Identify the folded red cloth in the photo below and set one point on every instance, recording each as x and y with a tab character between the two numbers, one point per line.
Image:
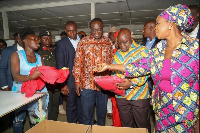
109	83
48	74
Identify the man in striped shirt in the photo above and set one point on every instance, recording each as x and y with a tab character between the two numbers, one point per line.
134	107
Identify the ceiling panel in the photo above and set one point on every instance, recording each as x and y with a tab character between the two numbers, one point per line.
78	18
10	3
72	10
35	14
111	7
13	16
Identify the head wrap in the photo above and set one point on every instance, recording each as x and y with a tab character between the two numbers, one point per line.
116	34
180	15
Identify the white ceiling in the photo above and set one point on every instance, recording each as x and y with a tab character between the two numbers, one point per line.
53	14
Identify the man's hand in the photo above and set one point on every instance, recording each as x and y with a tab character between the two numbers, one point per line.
102	67
65	90
78	87
124	85
6	89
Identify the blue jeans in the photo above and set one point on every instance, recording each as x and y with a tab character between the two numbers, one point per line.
90	99
20	114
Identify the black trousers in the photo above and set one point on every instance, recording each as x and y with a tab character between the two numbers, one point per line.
53	106
134	113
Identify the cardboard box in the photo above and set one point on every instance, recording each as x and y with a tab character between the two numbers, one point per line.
110	129
48	126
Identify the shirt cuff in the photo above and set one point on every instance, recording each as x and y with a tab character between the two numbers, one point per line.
4	87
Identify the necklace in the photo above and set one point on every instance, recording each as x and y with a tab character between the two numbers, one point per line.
174	44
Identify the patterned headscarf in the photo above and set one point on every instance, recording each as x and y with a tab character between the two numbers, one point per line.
180	15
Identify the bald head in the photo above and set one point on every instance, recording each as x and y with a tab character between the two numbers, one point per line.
124	32
124	39
149	29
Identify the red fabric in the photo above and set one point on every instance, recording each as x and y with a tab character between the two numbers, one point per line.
109	83
115	113
116	34
115	50
48	74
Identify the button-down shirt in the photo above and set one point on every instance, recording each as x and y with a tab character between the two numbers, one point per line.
75	42
150	43
91	52
140	90
19	47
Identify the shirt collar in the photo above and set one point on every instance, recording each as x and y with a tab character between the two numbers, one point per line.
92	38
77	38
148	39
19	47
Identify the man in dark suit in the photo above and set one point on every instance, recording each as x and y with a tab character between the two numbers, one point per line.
150	35
6	79
65	54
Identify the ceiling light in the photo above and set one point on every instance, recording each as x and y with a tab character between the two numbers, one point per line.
146	10
81	15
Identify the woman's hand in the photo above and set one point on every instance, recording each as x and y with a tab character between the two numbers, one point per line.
102	67
35	74
124	85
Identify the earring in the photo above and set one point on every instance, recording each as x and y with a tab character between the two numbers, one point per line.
169	27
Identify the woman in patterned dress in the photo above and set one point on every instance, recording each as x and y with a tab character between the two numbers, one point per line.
174	68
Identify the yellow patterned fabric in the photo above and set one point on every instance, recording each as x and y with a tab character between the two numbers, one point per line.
135	53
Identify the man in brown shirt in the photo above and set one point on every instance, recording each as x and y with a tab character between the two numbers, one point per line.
92	50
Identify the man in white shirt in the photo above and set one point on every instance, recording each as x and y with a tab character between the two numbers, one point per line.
6	79
194	32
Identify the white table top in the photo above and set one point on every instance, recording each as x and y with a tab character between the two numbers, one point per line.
10	101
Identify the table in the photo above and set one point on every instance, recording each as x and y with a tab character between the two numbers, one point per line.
10	101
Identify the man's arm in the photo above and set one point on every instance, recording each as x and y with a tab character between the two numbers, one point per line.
59	56
77	64
77	69
4	68
60	63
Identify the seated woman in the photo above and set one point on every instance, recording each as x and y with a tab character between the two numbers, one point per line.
21	64
174	68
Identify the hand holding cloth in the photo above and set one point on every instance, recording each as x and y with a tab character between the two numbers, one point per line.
48	74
